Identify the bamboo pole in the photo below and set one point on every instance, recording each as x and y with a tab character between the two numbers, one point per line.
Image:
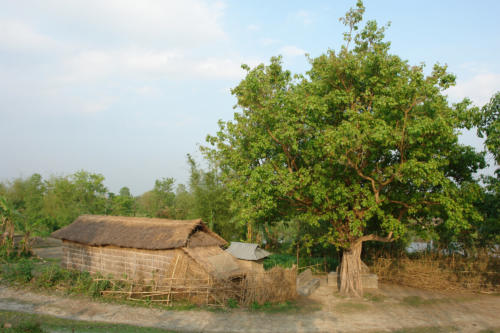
173	273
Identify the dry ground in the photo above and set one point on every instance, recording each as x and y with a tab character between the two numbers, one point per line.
390	308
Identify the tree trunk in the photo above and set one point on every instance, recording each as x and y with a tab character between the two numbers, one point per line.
350	271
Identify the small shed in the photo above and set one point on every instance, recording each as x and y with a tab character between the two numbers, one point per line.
145	248
249	255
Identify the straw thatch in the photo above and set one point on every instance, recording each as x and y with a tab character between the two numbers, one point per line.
138	232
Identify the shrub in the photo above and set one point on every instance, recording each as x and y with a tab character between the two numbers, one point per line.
51	275
288	260
232	303
21	271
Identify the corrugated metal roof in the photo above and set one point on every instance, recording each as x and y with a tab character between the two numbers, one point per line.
247	251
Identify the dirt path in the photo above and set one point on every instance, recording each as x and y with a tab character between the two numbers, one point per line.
385	311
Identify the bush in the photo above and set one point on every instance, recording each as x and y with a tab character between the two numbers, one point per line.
22	271
52	275
29	327
288	260
232	303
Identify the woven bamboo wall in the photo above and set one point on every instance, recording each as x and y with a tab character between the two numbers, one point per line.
134	263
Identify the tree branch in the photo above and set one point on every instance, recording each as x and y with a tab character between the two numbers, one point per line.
373	237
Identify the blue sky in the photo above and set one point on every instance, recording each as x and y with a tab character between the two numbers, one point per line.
128	88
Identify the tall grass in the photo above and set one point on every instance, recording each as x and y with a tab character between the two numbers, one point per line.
440	272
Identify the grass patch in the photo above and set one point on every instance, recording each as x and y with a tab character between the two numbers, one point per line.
427	329
351	307
32	323
374	298
491	330
418	301
287	306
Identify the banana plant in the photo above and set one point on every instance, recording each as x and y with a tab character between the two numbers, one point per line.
7	213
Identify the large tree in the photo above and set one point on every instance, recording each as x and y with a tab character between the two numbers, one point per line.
363	147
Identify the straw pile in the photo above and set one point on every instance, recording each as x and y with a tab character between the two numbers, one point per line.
275	285
441	273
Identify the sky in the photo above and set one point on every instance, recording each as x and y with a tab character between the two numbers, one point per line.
128	88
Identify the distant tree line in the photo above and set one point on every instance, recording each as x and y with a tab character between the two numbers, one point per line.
44	205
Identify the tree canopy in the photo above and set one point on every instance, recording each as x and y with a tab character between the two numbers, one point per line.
362	147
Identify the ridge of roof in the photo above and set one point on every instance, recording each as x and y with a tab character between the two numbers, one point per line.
137	232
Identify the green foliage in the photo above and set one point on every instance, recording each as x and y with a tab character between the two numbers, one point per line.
123	204
159	201
46	205
232	303
52	276
21	271
29	327
212	200
288	260
26	322
364	145
273	307
488	124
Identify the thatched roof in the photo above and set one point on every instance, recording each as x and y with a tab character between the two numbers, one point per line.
138	232
247	251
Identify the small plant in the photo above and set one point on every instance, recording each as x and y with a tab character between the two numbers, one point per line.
28	327
374	298
51	275
232	303
21	271
255	306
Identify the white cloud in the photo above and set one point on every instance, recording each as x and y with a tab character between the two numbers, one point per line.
147	90
253	27
268	41
221	68
479	88
303	16
19	36
97	106
95	65
143	22
292	51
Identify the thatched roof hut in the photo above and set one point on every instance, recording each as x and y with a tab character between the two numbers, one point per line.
145	248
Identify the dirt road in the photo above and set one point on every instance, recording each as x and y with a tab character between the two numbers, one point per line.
390	308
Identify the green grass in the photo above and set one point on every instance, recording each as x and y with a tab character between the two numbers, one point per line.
287	260
374	298
32	323
427	329
418	301
351	307
491	330
288	306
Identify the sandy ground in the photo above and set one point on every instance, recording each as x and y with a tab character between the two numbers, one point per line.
322	312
